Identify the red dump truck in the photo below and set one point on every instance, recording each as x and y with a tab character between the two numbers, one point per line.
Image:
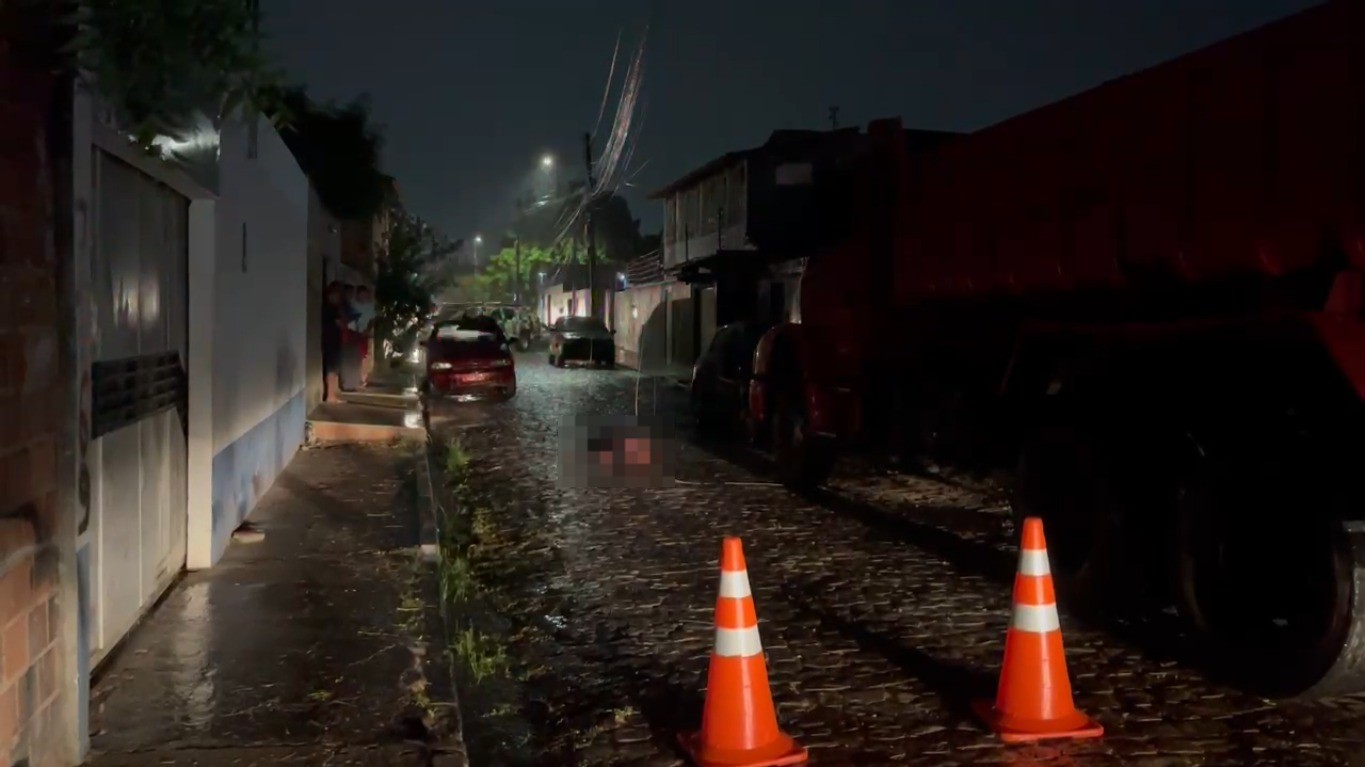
1147	302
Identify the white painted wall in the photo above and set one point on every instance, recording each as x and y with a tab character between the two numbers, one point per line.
261	282
643	326
200	447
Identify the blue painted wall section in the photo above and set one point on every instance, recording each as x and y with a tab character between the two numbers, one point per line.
244	470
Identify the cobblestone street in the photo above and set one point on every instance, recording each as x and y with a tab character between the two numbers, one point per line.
882	605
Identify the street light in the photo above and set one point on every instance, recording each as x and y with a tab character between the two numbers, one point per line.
547	161
478	240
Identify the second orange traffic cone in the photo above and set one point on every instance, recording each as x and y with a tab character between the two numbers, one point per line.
1034	700
739	723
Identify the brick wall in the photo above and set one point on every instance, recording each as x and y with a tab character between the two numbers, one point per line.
31	398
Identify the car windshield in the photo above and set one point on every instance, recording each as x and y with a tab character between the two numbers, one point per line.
584	325
459	343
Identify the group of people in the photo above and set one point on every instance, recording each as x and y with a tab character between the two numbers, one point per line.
347	326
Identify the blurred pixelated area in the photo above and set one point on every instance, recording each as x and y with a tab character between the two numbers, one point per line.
618	451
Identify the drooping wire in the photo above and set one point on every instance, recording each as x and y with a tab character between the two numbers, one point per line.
609	165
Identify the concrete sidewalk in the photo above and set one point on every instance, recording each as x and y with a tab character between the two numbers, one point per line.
319	645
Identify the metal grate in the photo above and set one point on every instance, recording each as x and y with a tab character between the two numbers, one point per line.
126	391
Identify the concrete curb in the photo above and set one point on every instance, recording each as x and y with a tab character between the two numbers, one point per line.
337	433
429	509
381	399
449	751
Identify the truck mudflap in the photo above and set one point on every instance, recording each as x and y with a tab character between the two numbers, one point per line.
834	411
1347	674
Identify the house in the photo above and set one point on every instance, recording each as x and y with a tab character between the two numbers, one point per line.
361	248
155	376
565	292
736	228
651	314
346	251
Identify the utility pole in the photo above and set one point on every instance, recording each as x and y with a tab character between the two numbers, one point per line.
591	232
834	117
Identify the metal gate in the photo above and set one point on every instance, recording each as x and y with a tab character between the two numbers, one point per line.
137	456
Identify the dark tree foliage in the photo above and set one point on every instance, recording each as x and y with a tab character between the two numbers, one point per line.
159	62
413	270
618	231
339	150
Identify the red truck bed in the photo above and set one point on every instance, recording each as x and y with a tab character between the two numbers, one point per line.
1244	158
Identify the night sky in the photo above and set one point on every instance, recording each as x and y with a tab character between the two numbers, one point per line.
473	93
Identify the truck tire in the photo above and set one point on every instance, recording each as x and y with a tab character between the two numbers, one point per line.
1064	478
1271	579
749	430
804	460
703	414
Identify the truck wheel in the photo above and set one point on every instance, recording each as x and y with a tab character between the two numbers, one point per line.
748	428
1270	579
1062	478
709	427
804	460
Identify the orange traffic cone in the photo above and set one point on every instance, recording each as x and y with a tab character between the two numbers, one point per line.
739	723
1034	701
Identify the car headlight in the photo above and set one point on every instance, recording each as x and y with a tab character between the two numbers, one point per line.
440	366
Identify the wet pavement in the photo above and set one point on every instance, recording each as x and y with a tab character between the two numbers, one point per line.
314	646
883	606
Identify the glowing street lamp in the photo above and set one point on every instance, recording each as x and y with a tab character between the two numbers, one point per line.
547	161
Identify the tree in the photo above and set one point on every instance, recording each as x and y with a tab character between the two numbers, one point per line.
160	62
618	232
543	224
338	148
497	280
411	272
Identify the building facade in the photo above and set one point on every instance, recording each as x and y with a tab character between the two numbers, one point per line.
736	228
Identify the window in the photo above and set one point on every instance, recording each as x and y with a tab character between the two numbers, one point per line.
457	344
794	174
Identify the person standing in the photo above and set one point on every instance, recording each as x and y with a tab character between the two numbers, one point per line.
364	326
350	349
333	332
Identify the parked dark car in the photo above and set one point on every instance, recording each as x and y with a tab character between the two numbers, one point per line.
469	359
583	339
720	381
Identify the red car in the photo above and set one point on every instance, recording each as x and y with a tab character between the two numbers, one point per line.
468	360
